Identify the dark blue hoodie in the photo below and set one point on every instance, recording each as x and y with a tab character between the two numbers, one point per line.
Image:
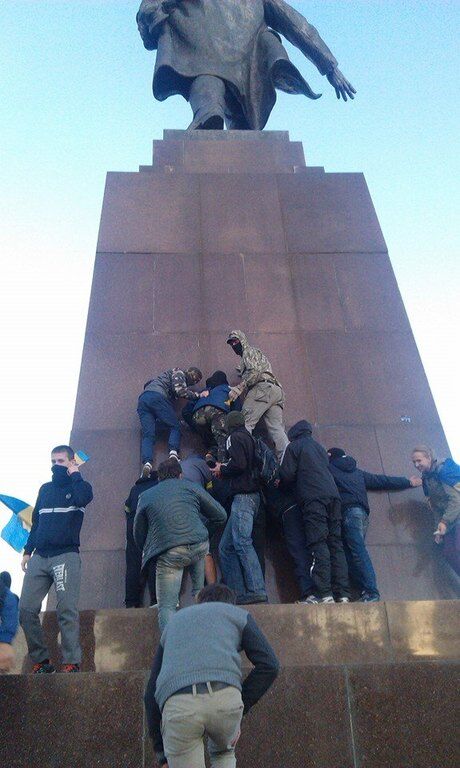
305	466
353	483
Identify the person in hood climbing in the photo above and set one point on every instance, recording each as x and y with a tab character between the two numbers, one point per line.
353	484
135	578
264	397
305	466
51	557
209	412
441	484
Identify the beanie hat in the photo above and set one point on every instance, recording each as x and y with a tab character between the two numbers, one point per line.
336	453
216	379
233	420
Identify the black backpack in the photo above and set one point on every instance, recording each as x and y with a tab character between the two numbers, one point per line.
266	465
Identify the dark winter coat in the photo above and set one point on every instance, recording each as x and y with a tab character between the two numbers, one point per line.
306	466
230	39
239	468
353	483
141	485
170	515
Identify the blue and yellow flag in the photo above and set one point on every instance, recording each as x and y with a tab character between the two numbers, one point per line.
20	508
15	534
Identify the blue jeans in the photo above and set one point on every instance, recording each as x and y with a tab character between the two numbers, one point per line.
153	407
355	521
170	568
240	565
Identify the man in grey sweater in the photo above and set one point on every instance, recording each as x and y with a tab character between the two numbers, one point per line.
195	687
172	535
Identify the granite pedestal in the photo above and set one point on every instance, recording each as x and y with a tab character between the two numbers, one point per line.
232	230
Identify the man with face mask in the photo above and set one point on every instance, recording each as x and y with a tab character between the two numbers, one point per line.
155	404
51	556
264	395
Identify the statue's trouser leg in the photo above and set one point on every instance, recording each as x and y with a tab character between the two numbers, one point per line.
207	100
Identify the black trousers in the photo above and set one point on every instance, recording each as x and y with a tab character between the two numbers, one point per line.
135	580
322	521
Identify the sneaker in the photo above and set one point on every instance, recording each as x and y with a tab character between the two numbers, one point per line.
146	470
174	455
43	668
367	598
70	668
343	600
309	600
327	600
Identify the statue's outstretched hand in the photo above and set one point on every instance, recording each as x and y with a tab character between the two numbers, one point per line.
342	87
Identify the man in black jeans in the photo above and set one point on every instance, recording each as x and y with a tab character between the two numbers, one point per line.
306	464
135	579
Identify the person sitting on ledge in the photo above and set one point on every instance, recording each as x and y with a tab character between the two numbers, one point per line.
353	484
195	687
441	484
155	404
305	467
264	395
169	530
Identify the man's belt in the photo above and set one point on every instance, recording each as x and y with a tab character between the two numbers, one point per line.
215	685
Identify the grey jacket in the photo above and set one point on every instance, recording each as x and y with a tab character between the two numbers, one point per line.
171	384
168	516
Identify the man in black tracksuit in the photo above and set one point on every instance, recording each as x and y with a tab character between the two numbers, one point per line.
134	578
305	464
353	484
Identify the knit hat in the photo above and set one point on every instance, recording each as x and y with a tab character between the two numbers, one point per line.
336	453
216	379
233	420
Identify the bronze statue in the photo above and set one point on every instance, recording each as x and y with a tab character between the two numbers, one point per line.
226	57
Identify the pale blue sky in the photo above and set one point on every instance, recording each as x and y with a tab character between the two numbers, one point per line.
76	103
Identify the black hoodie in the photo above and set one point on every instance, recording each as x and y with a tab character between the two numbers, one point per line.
141	485
353	482
306	464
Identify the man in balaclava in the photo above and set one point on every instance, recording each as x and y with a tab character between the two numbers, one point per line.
264	394
51	556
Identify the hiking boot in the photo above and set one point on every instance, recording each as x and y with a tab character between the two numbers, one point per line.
367	598
70	668
146	470
343	600
43	668
327	600
174	455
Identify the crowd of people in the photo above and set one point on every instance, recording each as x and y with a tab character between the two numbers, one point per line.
205	514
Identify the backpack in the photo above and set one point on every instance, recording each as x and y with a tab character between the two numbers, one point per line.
266	465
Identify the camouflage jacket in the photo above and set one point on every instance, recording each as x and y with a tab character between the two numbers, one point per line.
255	366
171	384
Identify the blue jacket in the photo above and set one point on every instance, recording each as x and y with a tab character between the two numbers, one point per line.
58	515
9	617
353	483
217	397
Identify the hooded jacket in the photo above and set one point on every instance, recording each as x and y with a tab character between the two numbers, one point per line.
58	514
353	483
140	486
239	469
255	366
306	466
